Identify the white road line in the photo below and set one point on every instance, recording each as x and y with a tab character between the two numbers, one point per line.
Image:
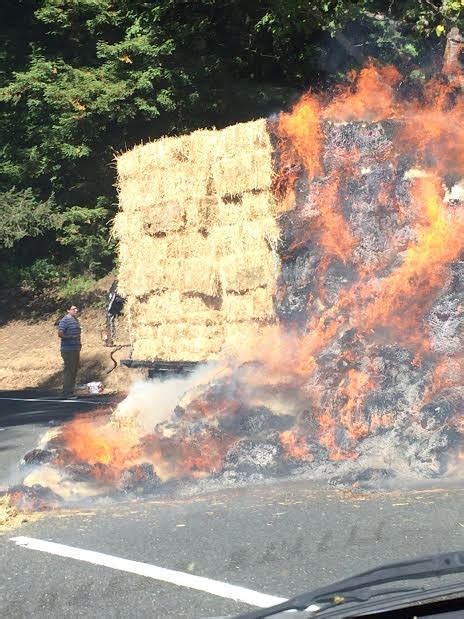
45	400
215	587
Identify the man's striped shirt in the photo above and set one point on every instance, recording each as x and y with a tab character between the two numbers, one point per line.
70	327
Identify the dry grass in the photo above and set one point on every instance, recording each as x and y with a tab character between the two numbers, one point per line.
30	355
197	237
11	518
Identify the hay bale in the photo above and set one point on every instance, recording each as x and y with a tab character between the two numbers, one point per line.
127	227
159	171
128	166
177	182
145	159
234	175
239	208
191	243
197	237
199	342
235	333
202	212
186	275
248	236
174	307
137	275
246	271
198	275
243	137
167	216
243	159
253	305
175	149
151	265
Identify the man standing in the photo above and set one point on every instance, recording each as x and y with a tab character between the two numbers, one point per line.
69	330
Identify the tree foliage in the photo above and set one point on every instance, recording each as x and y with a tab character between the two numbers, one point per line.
83	79
23	216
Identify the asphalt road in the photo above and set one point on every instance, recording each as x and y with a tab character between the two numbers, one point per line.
279	539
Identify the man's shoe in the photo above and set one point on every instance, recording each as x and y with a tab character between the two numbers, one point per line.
70	397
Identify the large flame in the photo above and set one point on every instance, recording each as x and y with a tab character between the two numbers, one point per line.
372	96
361	354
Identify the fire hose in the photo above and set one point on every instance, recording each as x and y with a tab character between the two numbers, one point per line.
115	350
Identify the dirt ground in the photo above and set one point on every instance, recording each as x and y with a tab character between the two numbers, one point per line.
30	354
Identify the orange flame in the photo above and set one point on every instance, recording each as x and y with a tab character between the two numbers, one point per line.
372	99
295	446
302	128
326	223
387	298
402	298
97	442
300	133
356	386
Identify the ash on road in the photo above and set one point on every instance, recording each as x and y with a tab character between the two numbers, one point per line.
277	539
280	539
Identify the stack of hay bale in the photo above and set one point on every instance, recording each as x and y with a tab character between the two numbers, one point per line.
197	241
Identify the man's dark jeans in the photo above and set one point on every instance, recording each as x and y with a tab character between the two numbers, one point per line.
71	363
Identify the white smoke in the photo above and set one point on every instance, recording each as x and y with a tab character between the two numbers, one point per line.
150	402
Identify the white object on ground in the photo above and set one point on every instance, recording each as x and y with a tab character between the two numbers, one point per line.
95	387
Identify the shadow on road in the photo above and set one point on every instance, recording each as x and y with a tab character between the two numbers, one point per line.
19	408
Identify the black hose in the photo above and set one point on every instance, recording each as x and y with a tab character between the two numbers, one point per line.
113	359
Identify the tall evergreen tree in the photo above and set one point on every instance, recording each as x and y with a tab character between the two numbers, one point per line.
83	79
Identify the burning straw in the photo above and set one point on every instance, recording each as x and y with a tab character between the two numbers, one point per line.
356	373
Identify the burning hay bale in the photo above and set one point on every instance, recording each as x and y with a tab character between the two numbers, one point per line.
140	479
251	458
34	498
37	456
355	374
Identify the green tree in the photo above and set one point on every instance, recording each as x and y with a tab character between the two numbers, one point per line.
83	79
23	216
